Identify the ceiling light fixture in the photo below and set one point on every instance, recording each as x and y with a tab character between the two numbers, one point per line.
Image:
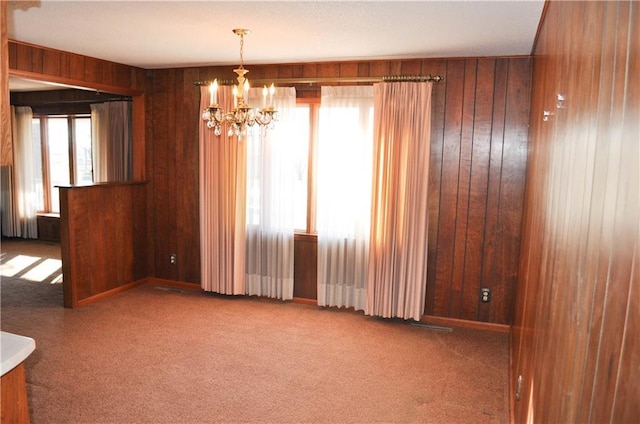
242	115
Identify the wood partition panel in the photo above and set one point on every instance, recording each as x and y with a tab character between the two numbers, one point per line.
478	152
103	239
576	336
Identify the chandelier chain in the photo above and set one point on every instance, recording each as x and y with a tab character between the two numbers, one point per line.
241	51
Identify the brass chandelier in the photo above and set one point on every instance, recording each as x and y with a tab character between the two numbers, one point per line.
242	115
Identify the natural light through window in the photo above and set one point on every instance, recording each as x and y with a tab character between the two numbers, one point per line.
15	265
62	156
58	137
32	268
83	164
43	270
301	158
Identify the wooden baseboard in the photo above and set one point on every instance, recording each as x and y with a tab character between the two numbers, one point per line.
305	301
108	293
427	319
463	323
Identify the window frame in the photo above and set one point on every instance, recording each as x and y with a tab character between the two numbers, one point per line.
314	112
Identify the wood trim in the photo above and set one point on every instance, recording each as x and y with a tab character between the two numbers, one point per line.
464	323
427	319
302	300
44	155
86	301
305	237
314	112
540	23
75	83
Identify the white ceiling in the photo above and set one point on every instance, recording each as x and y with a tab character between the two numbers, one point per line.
164	34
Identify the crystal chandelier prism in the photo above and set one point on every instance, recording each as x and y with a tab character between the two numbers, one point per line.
242	115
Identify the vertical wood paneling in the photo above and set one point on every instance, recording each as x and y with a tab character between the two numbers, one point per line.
462	189
477	189
72	68
492	206
449	188
6	148
576	328
305	267
189	193
51	63
163	188
512	179
438	96
36	61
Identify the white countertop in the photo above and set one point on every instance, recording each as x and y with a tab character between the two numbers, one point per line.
13	350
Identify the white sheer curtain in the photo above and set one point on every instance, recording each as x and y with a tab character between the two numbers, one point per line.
24	189
222	205
112	141
270	200
397	274
344	194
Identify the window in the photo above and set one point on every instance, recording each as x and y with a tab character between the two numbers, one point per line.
64	156
306	120
309	111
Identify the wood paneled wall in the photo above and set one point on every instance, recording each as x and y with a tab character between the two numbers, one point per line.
6	148
576	336
478	152
103	239
47	64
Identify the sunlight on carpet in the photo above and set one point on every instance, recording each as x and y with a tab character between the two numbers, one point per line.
32	268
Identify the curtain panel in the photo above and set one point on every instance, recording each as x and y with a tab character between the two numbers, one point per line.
270	200
222	204
397	271
8	210
23	209
344	194
112	141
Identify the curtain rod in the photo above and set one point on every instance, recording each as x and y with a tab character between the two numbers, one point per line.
392	78
80	101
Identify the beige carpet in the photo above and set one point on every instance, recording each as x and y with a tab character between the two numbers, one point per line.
150	355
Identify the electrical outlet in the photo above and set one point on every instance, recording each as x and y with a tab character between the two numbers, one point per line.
485	295
173	258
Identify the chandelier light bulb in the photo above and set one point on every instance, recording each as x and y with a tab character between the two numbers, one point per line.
272	91
213	92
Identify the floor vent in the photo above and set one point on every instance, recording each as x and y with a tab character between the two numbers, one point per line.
433	327
169	289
